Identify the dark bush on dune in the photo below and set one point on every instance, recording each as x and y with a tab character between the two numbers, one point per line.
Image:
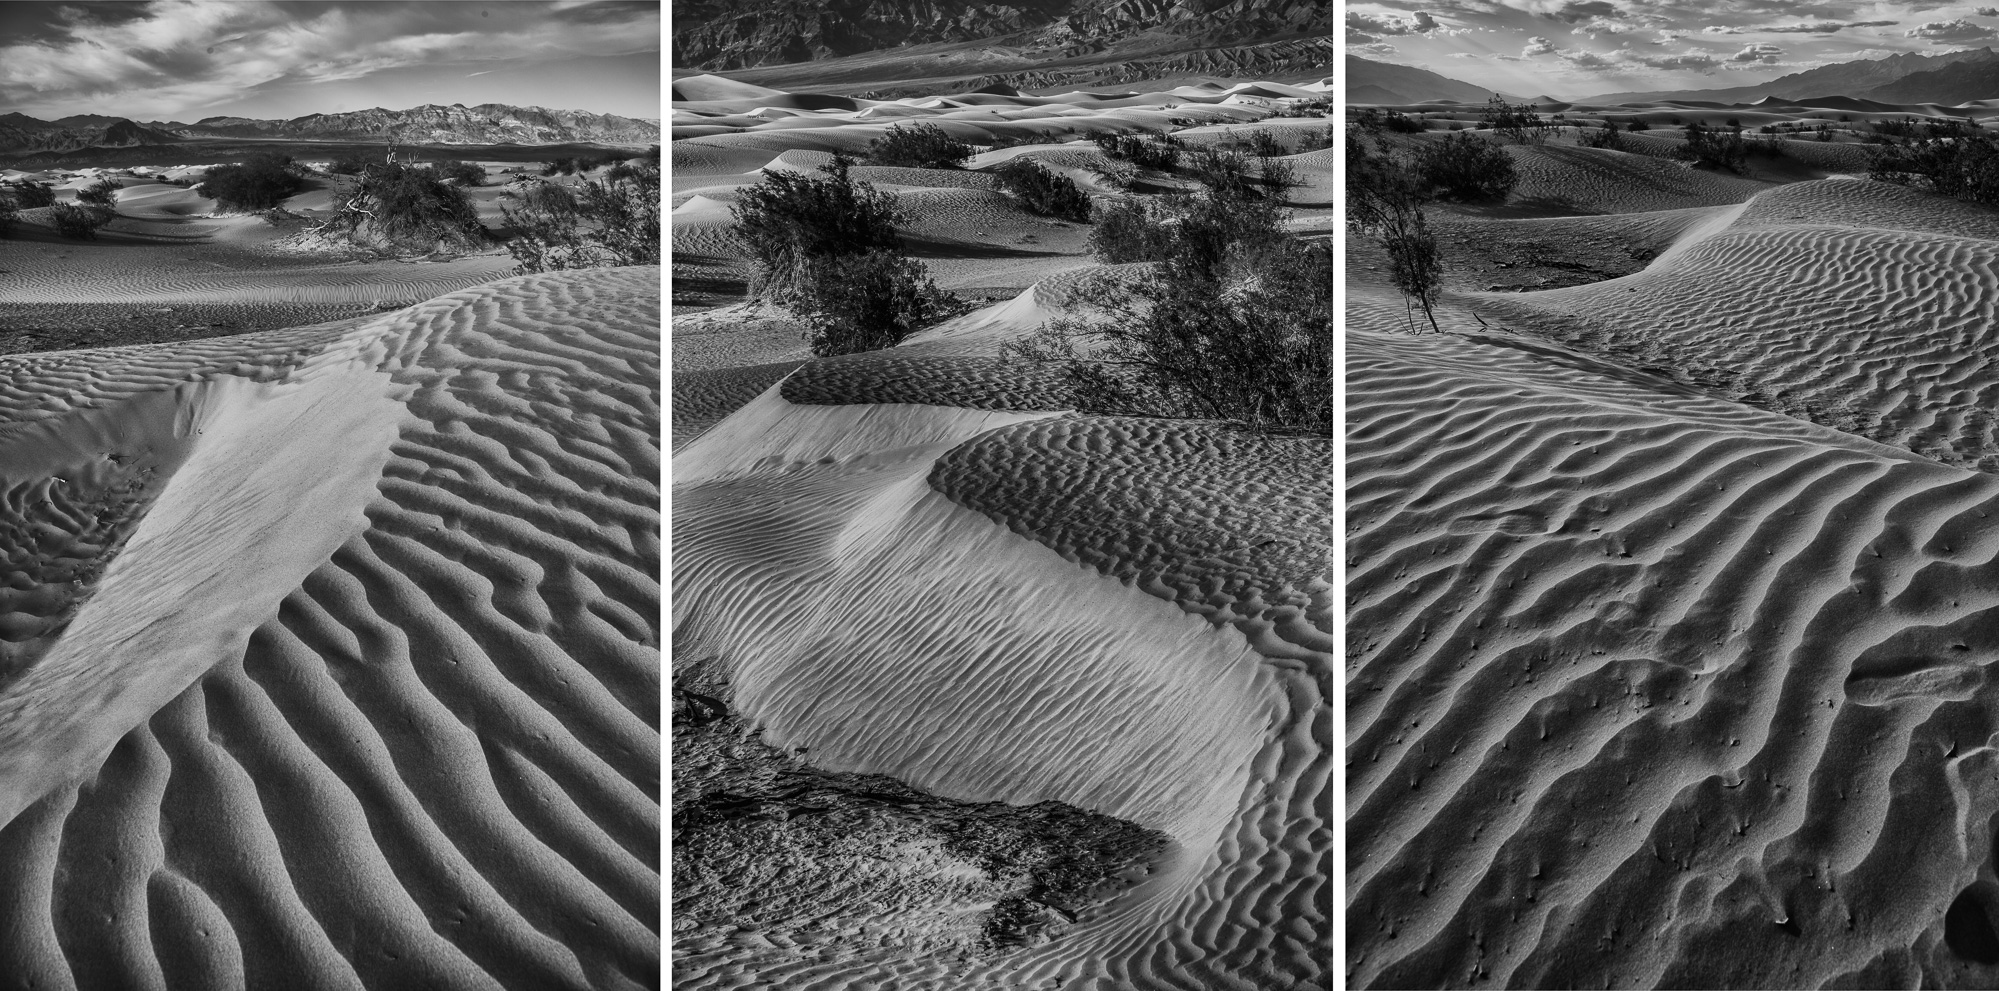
1514	122
79	222
103	192
1146	152
1964	167
30	195
561	166
1130	229
826	248
1638	124
404	208
1236	322
9	216
610	221
347	165
466	173
1374	120
920	145
1605	137
1043	191
1466	168
1711	149
262	182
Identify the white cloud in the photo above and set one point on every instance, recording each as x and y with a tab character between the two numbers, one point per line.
1538	46
1949	32
1764	54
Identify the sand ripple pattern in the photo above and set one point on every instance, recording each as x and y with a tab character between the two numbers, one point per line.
437	765
1881	331
1641	698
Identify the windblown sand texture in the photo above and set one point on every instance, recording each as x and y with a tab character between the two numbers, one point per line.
1669	602
919	563
330	655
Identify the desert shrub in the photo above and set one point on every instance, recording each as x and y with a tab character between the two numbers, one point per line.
1374	120
561	166
614	220
1236	321
347	165
1513	122
1316	140
405	208
1638	124
30	195
1129	229
1263	144
1464	167
826	248
263	181
1605	137
1043	191
1710	149
9	216
865	302
1115	174
1146	152
79	222
1966	168
1012	141
465	172
103	192
1385	201
921	145
1308	108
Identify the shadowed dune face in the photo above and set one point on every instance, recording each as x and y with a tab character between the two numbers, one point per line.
1670	594
360	685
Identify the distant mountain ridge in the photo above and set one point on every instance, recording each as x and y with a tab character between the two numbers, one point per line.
1369	81
1949	78
486	124
722	35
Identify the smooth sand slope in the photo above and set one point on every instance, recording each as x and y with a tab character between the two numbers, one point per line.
913	563
329	656
1670	611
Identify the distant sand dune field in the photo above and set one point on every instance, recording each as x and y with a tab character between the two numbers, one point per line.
334	662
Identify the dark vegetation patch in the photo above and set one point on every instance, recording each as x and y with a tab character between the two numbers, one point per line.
258	184
766	846
920	145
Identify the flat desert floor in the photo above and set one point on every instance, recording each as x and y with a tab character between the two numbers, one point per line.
329	654
1671	577
1014	697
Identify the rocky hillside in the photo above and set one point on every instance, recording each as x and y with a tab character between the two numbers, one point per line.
714	35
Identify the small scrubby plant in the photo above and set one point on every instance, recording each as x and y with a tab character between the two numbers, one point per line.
79	222
920	145
1044	191
466	173
1465	167
1146	152
260	183
103	192
826	248
31	195
404	208
614	220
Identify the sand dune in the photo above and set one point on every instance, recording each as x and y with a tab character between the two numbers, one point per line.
339	665
930	514
1668	603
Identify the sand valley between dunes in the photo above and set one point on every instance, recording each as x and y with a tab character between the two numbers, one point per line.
1672	565
328	654
1018	697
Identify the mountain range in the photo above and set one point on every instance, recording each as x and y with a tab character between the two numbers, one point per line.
913	44
486	124
1947	79
1389	84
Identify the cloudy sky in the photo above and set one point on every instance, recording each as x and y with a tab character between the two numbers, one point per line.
188	59
1574	48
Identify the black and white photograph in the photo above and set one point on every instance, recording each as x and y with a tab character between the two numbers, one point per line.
1672	531
1004	495
330	527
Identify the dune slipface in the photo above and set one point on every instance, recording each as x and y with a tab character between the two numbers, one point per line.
1669	610
329	656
